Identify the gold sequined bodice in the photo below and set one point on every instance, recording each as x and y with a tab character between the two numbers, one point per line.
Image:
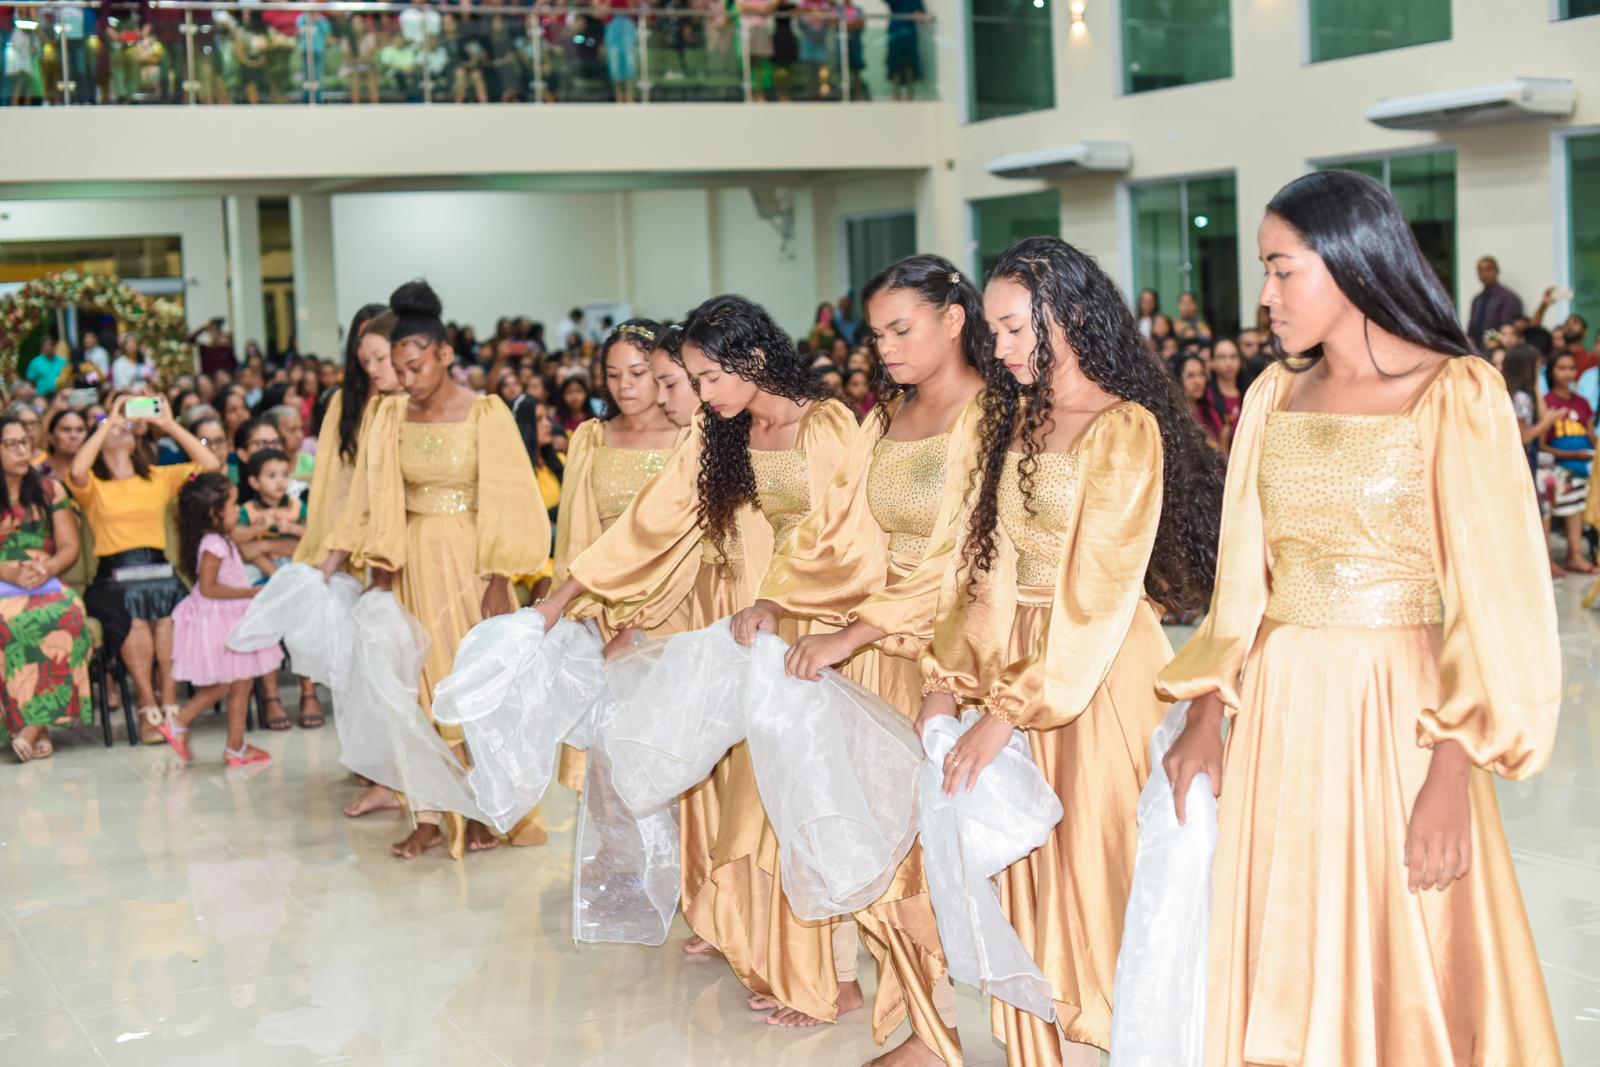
1344	504
617	476
783	488
1040	538
905	488
439	462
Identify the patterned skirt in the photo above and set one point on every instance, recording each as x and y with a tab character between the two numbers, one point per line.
46	647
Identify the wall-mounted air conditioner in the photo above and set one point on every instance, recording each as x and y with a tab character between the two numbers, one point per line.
1082	157
1512	101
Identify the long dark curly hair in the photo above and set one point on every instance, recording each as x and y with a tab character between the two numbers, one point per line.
937	283
741	338
201	505
1070	291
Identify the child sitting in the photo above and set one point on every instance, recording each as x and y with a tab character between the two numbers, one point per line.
207	511
269	529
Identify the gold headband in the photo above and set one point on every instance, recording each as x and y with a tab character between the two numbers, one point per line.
637	331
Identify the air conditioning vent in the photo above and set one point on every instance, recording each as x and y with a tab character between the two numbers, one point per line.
1082	157
1513	101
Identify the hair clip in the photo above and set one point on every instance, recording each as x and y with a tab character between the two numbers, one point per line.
953	278
637	331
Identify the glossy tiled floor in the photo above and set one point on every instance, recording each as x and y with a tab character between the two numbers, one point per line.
159	915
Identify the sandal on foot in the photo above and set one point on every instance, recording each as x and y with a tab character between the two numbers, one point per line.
278	722
245	756
176	736
150	720
310	720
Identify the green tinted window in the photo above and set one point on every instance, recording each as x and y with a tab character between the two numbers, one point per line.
1186	237
1577	9
1001	221
1174	42
1010	62
875	241
1341	28
1583	224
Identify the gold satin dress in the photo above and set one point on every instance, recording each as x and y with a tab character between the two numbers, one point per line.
414	509
1062	641
643	560
599	483
868	552
1373	606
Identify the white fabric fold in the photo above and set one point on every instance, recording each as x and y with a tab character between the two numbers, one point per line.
517	693
310	616
626	871
967	839
1160	993
836	767
388	738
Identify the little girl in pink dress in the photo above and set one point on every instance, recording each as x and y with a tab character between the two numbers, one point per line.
207	511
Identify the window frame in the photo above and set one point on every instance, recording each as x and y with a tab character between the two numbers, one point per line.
1119	78
1126	218
842	245
1561	190
1307	36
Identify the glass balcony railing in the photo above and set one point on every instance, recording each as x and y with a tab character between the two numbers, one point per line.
82	52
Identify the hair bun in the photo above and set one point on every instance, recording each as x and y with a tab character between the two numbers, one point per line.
416	300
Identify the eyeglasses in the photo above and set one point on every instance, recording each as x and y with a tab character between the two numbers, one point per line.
17	444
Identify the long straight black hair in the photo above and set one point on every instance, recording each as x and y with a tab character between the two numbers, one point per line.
1354	224
357	386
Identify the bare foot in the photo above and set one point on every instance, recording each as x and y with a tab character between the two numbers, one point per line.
699	946
757	1002
849	1000
1579	565
1556	571
480	838
909	1053
376	798
421	839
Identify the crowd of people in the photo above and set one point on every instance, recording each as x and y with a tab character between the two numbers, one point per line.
974	503
116	52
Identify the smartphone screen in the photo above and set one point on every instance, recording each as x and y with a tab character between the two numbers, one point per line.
143	407
82	398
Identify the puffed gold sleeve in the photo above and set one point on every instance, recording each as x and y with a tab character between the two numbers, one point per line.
1112	531
1500	663
837	555
577	515
635	560
905	610
513	526
330	484
372	524
1211	660
827	434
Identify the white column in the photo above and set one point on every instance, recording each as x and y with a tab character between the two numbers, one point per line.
315	309
247	320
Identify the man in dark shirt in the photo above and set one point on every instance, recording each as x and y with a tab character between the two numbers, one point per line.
1495	306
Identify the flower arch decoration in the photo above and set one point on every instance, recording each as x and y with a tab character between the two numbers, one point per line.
159	323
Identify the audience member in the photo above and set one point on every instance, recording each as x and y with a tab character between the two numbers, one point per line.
1494	306
1571	441
67	429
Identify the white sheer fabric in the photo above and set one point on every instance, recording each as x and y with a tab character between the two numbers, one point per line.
837	770
626	871
1160	995
309	615
517	693
967	839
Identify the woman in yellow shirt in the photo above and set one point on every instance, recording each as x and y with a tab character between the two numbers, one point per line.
125	498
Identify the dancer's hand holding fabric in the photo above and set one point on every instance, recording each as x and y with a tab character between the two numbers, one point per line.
1198	750
551	607
625	639
334	562
382	580
976	750
934	706
497	599
761	618
1439	838
808	656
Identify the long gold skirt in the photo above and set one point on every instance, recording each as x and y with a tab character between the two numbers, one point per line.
1066	899
444	593
1320	955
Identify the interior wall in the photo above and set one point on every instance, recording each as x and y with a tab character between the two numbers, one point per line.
197	222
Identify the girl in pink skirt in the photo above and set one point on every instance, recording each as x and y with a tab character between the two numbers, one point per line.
207	510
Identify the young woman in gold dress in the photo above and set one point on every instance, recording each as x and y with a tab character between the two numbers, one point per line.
767	439
1097	505
1382	637
444	509
861	561
608	461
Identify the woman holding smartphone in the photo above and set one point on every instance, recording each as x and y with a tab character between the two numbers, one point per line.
124	496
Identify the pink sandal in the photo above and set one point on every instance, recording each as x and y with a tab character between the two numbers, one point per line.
177	736
245	756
